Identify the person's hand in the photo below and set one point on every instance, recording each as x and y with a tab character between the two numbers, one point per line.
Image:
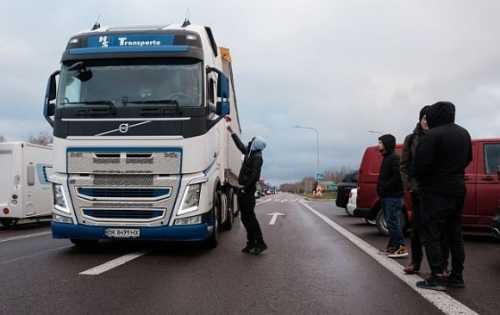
227	118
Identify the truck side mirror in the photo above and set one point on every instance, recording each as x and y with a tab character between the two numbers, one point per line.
223	106
222	86
49	106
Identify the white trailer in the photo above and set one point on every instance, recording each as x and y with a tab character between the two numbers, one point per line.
141	149
25	192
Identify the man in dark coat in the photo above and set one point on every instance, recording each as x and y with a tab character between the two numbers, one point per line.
390	191
410	184
248	178
439	166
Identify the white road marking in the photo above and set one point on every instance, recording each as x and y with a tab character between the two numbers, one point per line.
441	300
22	237
275	216
112	264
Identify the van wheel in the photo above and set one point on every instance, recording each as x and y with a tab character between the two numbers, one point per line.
213	240
382	225
370	222
228	224
8	222
84	244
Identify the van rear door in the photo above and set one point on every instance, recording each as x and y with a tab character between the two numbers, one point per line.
488	187
470	216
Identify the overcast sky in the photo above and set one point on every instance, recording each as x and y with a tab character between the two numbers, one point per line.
344	67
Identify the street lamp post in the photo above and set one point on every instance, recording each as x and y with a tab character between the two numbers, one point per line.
317	146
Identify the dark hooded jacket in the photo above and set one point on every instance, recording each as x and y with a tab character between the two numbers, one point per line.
410	183
443	153
251	168
389	181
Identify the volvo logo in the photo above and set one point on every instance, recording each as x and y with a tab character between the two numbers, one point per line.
123	128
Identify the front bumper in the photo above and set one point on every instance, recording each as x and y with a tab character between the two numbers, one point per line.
363	213
195	232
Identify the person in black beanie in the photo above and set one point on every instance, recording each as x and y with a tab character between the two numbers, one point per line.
441	157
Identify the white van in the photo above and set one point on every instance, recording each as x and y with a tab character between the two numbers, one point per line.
25	191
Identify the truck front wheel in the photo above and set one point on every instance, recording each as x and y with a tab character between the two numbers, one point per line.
228	224
213	240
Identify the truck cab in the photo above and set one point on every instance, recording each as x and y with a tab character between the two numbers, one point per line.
140	146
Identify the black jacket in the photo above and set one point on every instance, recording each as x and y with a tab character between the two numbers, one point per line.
251	168
443	152
407	155
389	181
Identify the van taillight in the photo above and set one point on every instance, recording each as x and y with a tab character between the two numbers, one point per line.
6	210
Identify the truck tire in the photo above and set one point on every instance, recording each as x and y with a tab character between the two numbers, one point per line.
84	244
382	226
213	239
235	204
8	222
228	224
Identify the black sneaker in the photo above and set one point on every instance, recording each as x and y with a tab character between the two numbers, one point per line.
455	282
258	249
247	248
432	283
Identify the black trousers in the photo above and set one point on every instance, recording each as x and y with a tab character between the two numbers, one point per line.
442	224
417	253
247	210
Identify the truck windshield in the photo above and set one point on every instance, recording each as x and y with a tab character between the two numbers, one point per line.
178	84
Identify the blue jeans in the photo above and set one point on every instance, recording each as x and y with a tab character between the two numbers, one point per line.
392	208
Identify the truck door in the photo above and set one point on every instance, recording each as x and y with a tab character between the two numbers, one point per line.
488	188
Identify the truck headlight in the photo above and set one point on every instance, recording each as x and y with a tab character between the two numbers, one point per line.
191	199
60	201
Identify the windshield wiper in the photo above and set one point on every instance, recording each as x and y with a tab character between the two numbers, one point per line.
161	102
110	104
162	107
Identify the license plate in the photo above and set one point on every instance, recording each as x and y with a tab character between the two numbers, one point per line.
123	233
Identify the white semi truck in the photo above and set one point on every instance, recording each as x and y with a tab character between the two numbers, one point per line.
25	192
140	146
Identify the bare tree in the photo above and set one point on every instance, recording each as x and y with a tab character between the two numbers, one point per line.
43	138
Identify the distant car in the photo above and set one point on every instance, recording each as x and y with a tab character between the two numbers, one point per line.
344	189
351	204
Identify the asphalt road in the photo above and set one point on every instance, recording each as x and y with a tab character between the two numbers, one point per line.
310	268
